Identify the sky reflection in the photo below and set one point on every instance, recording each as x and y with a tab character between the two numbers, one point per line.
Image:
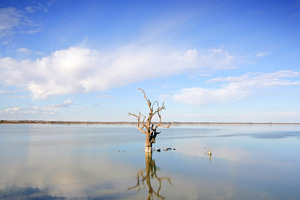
90	163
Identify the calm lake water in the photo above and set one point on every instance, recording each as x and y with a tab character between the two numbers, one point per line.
107	162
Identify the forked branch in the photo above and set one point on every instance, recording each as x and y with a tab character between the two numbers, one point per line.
160	124
140	126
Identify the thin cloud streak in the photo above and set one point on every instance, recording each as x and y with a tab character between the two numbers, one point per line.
236	88
24	50
13	20
34	110
261	54
9	18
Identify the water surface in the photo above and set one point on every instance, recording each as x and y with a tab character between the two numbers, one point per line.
107	162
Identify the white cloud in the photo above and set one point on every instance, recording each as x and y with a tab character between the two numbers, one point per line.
40	53
236	88
260	80
49	110
76	70
261	54
30	9
24	50
202	96
190	55
28	51
65	104
38	6
35	28
28	111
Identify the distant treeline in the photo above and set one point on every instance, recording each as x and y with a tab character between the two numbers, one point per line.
133	123
57	122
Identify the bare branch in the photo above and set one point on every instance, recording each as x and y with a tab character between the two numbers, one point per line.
160	108
143	116
167	126
143	92
138	124
156	102
159	123
141	129
148	101
133	115
138	118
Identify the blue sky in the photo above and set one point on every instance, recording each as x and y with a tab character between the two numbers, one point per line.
213	60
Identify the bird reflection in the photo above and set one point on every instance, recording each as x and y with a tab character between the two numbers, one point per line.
148	178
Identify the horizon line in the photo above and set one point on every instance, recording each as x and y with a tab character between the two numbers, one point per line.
128	122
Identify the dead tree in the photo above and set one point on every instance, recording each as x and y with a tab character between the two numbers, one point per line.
147	127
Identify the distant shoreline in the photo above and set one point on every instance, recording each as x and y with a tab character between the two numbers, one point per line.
134	123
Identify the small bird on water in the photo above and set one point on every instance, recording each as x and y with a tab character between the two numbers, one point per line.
208	153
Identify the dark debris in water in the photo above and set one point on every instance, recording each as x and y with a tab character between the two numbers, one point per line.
154	149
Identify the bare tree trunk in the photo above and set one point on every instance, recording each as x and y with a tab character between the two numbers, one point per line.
148	144
147	127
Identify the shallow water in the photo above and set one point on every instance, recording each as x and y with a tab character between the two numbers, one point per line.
107	162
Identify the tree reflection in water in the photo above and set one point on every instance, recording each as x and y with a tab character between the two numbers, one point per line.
149	176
